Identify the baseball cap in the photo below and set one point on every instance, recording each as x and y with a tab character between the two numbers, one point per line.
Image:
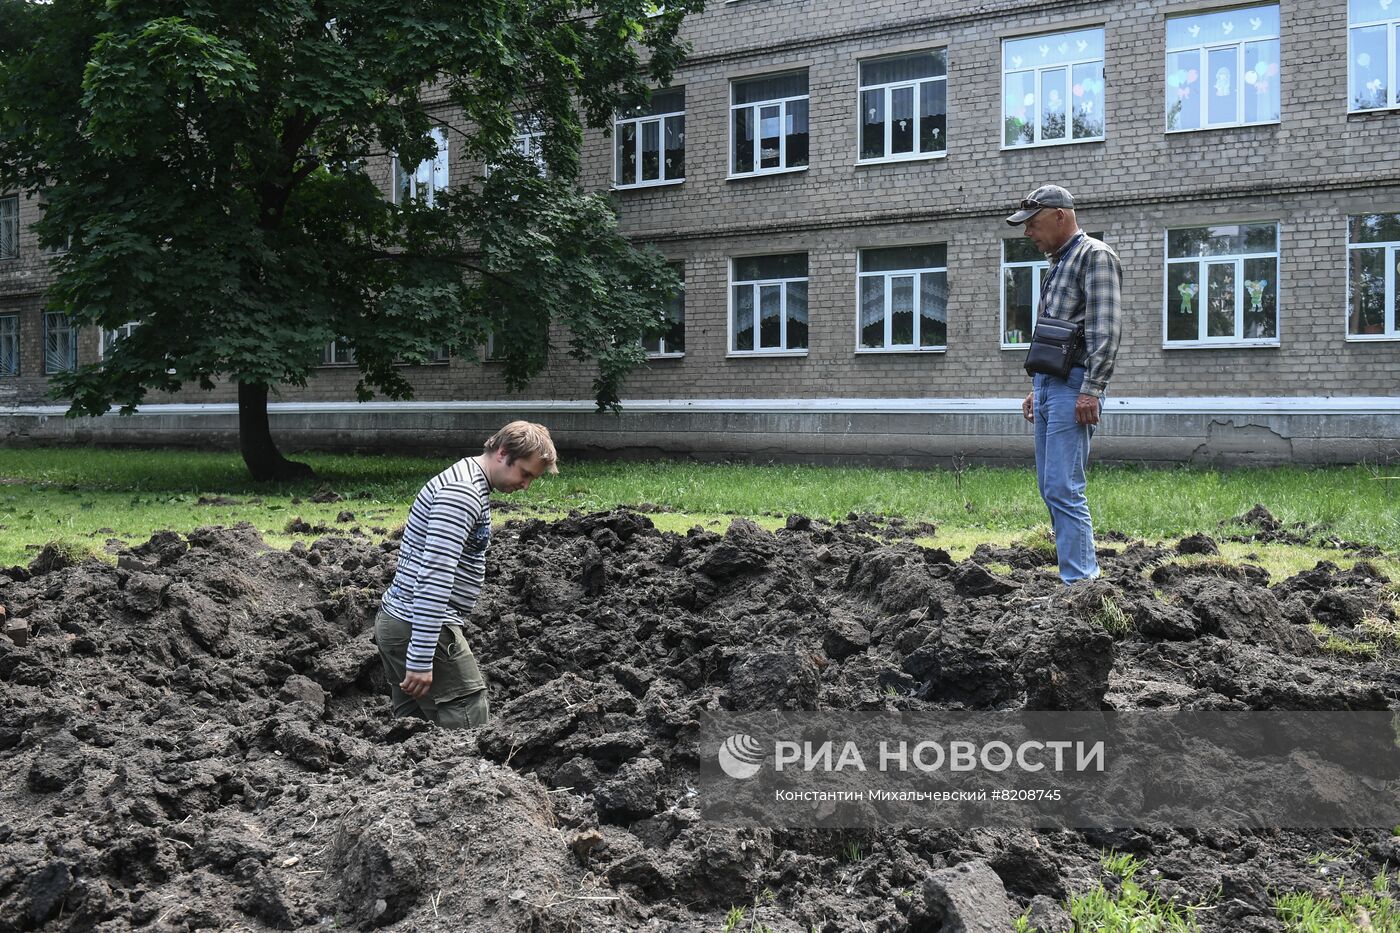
1044	196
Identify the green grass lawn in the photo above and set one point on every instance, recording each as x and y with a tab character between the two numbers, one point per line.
89	495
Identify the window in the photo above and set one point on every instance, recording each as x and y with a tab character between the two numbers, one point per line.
9	227
1373	277
671	341
1223	68
1052	88
1023	269
9	344
904	106
768	304
903	298
427	179
1373	43
60	344
650	141
338	353
528	142
110	337
1222	285
768	124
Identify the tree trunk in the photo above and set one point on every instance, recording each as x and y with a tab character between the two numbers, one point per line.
264	460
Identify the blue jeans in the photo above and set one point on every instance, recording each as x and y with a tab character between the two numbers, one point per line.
1061	455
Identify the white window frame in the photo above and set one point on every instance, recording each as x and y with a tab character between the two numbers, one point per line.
9	218
756	285
428	178
528	145
660	120
1038	269
756	107
1392	283
9	333
1069	66
1392	40
918	274
110	337
68	334
328	354
1202	262
889	88
1204	52
661	353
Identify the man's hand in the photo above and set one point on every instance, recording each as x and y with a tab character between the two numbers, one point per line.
1086	409
1028	406
417	684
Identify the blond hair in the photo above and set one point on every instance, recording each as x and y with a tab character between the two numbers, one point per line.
525	439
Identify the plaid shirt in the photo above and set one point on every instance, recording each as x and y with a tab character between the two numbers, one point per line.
1084	284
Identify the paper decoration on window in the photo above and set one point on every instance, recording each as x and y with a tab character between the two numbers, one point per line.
1187	291
1255	22
1223	87
1054	104
1256	294
1364	60
1228	28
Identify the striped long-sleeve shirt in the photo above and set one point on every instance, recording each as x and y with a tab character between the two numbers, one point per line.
1085	284
442	558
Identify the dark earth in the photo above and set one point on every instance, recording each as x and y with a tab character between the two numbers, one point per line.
199	738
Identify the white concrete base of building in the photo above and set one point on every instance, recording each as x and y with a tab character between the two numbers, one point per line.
1217	431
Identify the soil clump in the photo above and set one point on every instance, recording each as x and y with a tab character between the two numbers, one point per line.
198	737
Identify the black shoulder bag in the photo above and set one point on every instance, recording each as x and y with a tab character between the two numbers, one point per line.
1055	347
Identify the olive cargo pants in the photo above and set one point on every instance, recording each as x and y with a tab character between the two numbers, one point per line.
457	698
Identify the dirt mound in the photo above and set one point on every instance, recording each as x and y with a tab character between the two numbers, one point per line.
198	736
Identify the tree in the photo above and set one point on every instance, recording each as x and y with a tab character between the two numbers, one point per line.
210	161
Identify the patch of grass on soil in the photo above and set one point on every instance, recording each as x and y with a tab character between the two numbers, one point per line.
1124	904
96	494
1340	910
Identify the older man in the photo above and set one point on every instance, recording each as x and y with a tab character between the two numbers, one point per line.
442	565
1082	286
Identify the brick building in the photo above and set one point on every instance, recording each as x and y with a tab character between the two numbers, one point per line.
832	178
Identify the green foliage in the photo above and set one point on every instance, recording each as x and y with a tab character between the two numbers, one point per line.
1342	909
1332	643
213	170
1112	617
1041	539
1122	864
1130	908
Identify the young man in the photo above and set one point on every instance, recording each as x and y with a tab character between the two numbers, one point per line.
442	564
1082	285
